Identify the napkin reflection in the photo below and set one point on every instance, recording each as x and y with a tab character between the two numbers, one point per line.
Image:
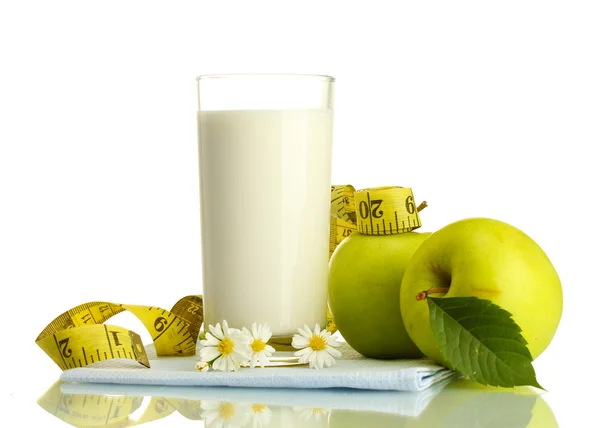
451	403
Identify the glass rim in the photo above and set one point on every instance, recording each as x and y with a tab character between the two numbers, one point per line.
234	75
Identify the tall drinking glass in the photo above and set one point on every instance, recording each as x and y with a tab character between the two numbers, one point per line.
265	175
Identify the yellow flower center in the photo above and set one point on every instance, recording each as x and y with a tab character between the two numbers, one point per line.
226	411
317	411
258	408
225	346
317	342
258	345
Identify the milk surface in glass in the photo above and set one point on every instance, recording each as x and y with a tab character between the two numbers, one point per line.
265	200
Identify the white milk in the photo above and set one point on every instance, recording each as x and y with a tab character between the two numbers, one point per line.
265	185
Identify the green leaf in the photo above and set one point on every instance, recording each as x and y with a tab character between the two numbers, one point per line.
481	341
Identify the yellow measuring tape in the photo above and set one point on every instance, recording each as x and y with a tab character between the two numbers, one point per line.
342	221
100	410
386	211
79	337
373	211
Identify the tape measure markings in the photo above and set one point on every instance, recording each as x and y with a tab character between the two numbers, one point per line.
342	202
114	410
370	204
187	340
78	336
163	330
376	206
61	355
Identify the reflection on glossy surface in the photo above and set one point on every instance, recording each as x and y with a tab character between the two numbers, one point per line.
457	403
467	404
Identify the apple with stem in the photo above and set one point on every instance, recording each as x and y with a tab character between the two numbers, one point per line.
488	259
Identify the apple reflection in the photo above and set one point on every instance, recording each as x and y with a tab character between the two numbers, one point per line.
463	404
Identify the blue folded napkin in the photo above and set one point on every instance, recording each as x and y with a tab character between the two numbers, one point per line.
352	370
402	403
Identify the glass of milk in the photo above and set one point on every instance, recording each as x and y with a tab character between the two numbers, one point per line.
265	175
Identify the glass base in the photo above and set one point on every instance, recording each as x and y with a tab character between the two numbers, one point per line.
282	344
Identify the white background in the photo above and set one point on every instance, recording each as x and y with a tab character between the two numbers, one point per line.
483	108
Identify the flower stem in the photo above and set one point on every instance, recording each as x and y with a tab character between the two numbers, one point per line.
440	290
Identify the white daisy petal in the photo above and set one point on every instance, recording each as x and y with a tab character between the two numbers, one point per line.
266	333
333	342
243	348
302	352
219	329
312	360
209	353
328	359
304	359
228	365
225	328
253	360
299	341
234	366
333	352
263	359
244	352
320	358
201	366
238	337
210	340
218	364
236	331
254	330
210	336
224	363
240	358
209	417
216	331
317	329
304	356
269	350
211	328
306	332
209	405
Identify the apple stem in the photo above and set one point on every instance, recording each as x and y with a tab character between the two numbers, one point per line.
421	206
440	290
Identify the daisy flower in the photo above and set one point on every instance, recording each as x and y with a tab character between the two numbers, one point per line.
312	414
316	347
224	414
202	366
259	336
260	416
225	349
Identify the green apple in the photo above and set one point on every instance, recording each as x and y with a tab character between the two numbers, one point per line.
365	273
491	260
360	419
464	403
